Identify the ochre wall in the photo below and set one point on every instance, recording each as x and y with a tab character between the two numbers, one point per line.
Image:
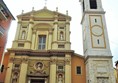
78	61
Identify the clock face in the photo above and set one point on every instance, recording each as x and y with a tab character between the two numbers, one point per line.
97	31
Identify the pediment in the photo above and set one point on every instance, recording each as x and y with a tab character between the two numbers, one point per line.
43	13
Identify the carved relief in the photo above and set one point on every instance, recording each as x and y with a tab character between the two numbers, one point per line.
38	67
101	68
102	80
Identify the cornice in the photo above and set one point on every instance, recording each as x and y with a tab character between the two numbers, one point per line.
106	57
46	53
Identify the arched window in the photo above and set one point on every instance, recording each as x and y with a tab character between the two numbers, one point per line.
23	35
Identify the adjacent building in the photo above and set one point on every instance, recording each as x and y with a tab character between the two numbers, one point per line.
5	20
41	51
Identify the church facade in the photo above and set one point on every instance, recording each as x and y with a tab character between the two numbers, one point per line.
41	51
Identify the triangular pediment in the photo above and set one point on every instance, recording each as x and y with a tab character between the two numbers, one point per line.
43	13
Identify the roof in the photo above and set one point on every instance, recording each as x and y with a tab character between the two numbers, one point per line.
6	8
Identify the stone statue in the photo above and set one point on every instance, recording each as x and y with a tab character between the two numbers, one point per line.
60	79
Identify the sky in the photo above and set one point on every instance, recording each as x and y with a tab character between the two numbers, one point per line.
74	10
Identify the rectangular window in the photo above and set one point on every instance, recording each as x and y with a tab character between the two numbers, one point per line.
61	27
42	42
93	4
78	70
61	46
21	45
17	66
60	68
24	26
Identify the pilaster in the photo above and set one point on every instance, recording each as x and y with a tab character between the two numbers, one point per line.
68	68
9	70
50	40
54	44
18	30
53	70
23	70
33	39
67	34
29	35
67	30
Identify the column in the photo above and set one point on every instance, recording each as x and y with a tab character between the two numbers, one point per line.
23	71
33	39
53	70
50	40
68	68
9	69
18	30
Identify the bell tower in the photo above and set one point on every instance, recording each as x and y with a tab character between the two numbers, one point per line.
99	68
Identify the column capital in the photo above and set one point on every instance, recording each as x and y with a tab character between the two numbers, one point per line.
53	60
55	22
19	22
31	22
34	31
67	23
11	59
67	61
24	60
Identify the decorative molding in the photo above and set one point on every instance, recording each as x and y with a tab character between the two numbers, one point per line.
103	35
